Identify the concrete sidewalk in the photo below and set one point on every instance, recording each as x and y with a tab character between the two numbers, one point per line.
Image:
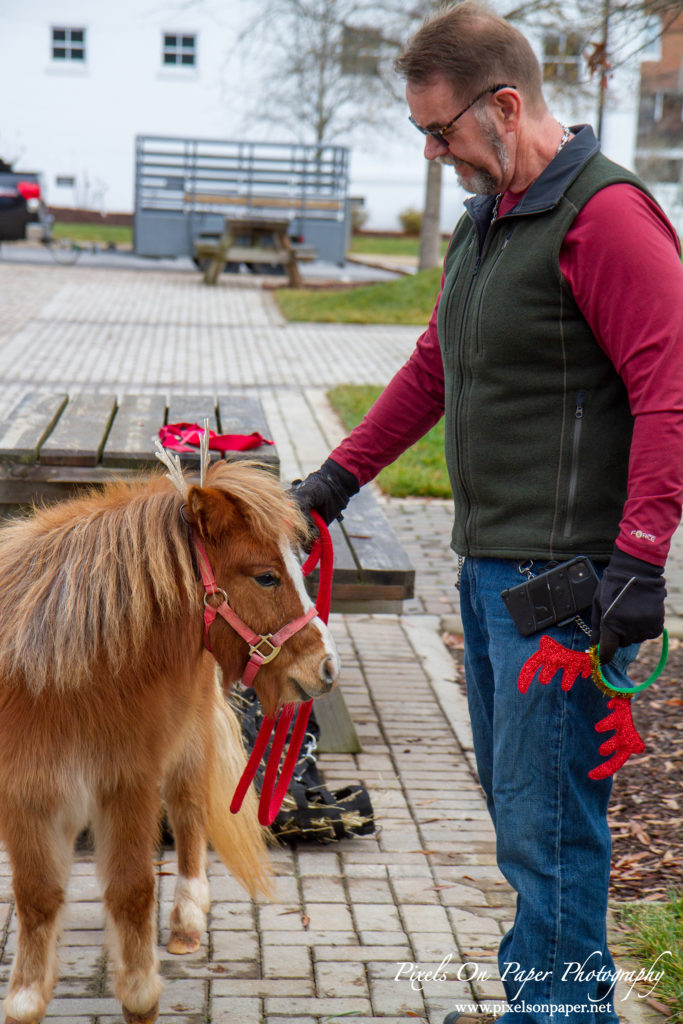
356	920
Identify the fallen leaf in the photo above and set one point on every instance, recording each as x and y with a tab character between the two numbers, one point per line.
657	1005
640	834
631	858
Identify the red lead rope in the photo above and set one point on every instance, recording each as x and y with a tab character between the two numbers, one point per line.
273	790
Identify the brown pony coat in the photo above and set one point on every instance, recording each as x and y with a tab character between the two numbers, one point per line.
108	698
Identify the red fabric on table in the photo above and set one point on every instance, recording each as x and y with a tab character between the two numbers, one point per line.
186	437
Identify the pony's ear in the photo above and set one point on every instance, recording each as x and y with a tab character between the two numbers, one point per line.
212	511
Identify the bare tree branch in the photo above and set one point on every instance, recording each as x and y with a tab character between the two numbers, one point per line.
307	85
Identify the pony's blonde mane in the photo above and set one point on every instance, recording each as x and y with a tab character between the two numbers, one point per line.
87	583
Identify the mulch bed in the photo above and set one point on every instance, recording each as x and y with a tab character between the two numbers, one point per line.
646	811
646	814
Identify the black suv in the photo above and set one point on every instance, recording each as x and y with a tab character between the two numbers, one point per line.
21	203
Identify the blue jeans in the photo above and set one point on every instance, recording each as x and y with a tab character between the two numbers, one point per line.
534	752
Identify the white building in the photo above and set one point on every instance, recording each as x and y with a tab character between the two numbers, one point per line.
81	78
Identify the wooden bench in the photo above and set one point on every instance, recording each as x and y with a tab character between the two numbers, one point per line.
258	242
372	572
51	446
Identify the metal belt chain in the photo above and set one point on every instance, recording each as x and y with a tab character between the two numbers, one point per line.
458	572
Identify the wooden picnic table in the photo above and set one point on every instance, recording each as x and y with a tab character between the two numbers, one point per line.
53	445
257	241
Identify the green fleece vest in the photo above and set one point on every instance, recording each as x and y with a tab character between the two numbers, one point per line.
538	426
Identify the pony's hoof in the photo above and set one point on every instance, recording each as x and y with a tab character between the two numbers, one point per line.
141	1018
184	942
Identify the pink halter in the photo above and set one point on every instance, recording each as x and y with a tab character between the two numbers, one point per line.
262	649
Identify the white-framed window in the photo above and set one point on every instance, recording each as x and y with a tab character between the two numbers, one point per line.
67	44
562	56
179	49
652	37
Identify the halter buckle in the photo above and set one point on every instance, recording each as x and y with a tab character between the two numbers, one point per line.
266	655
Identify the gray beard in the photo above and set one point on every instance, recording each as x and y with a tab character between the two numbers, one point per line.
481	181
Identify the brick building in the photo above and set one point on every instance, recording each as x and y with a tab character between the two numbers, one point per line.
659	153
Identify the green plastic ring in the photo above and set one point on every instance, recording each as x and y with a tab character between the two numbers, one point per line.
630	690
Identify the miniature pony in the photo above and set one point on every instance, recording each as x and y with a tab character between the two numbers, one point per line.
109	704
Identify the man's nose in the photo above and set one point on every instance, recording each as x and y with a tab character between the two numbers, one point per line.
434	147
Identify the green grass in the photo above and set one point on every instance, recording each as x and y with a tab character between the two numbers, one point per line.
656	930
101	233
420	471
389	245
408	300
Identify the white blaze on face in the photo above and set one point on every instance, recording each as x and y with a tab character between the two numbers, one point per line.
294	570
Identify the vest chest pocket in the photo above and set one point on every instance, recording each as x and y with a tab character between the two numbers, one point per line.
574	462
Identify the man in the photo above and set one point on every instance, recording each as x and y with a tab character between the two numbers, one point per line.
555	351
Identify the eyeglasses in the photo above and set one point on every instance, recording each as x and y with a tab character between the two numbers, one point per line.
440	133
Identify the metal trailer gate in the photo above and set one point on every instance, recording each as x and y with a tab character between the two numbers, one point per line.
187	187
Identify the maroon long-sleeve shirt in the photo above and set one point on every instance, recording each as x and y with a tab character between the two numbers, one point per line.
621	258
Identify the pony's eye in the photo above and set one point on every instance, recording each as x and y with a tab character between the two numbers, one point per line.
267	579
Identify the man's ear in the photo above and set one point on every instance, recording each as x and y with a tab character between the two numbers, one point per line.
507	105
213	512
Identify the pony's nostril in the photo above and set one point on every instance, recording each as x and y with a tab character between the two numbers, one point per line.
328	671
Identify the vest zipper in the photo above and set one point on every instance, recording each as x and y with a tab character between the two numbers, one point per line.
574	465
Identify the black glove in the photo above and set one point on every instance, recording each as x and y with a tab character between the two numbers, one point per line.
628	606
328	490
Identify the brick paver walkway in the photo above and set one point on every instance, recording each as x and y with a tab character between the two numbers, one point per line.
353	920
